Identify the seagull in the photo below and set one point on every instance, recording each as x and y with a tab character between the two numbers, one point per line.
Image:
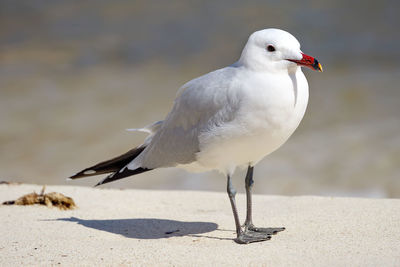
227	119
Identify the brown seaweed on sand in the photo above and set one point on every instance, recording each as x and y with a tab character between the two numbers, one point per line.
52	199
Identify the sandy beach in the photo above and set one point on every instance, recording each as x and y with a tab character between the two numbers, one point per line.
189	228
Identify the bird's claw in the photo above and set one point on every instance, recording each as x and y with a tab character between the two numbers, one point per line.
247	237
269	231
253	234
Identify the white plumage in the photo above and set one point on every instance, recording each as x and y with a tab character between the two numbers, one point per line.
233	117
228	118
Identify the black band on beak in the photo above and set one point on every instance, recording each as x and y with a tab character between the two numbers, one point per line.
317	66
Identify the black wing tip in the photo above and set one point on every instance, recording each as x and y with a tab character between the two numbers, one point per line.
106	180
85	173
99	183
82	175
121	174
75	176
112	166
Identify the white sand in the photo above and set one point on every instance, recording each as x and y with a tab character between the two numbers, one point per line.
127	227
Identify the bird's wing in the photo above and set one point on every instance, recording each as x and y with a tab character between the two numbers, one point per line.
201	104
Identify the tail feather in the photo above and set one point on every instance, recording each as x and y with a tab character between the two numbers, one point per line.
113	166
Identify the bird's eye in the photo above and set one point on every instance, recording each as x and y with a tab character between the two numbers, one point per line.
271	48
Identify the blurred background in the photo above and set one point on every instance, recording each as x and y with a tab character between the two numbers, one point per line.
75	74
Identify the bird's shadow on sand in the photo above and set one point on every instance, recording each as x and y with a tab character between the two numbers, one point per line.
147	228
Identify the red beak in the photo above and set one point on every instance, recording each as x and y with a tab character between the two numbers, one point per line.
309	62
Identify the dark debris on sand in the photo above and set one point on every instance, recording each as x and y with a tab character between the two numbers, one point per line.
52	199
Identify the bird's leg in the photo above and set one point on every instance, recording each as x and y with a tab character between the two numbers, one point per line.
242	237
249	185
232	193
248	224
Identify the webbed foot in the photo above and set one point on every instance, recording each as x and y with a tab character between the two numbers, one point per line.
247	237
253	234
269	231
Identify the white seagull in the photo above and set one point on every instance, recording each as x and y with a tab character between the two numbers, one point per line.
232	117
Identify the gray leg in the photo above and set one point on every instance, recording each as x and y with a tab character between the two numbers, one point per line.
242	237
248	224
249	185
232	193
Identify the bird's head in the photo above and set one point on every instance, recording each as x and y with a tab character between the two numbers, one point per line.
275	50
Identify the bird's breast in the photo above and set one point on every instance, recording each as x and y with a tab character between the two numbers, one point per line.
275	104
270	111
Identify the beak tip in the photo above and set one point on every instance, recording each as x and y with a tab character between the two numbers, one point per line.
320	69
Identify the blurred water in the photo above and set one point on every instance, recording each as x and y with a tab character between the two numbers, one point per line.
74	75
